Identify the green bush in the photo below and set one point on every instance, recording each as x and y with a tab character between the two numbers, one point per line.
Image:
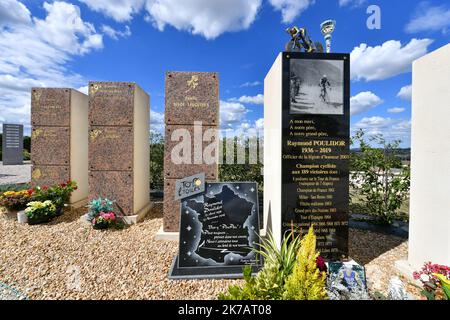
156	161
288	273
382	190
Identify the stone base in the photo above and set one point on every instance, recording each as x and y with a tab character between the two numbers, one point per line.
78	204
129	219
162	235
406	270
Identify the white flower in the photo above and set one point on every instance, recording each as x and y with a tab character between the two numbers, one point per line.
424	278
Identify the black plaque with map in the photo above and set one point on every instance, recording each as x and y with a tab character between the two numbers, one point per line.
218	231
315	148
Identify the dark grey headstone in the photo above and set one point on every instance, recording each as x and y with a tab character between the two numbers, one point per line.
12	144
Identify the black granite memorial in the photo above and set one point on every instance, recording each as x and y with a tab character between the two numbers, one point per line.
219	229
315	148
12	144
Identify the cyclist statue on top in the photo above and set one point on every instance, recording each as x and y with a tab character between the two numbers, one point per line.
300	40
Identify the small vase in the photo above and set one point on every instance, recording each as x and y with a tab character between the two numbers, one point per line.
22	217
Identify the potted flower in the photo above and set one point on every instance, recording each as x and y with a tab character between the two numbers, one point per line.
101	214
435	281
40	212
15	201
58	194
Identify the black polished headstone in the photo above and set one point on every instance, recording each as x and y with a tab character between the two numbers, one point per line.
218	231
12	144
315	148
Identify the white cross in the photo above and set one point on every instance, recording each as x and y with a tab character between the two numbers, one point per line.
188	228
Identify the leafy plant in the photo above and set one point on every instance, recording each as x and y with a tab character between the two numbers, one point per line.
306	282
15	200
40	211
435	281
285	274
58	194
383	190
101	214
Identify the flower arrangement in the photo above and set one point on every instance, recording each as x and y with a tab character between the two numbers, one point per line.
290	272
15	200
58	194
38	212
435	281
101	214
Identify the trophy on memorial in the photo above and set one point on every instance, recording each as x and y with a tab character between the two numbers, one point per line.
327	28
301	41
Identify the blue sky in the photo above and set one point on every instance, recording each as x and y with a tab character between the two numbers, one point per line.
68	43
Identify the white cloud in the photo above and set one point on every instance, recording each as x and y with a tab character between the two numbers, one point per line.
231	113
258	99
13	12
405	93
363	102
353	3
386	61
259	124
396	110
116	34
119	10
291	9
84	89
157	122
36	55
429	18
251	84
63	28
391	129
203	17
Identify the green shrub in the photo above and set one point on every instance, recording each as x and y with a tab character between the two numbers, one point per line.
290	272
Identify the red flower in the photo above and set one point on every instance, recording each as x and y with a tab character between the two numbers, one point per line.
320	262
30	192
63	185
44	188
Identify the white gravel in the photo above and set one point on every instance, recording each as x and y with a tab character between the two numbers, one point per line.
67	259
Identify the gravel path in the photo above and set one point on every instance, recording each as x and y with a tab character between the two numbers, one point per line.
15	173
67	259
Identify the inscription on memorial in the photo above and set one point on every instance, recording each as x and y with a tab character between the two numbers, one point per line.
12	144
315	150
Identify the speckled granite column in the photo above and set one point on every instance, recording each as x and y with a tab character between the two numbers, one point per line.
119	146
59	151
191	98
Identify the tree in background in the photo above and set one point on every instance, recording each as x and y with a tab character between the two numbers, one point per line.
156	161
384	189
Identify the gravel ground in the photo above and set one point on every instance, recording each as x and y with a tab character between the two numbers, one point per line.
15	173
67	259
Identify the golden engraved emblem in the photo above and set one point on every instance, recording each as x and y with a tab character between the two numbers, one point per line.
95	133
192	84
94	88
198	182
36	174
37	94
36	133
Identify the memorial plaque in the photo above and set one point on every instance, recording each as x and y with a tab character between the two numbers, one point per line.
114	185
218	231
111	148
50	106
12	144
189	157
314	143
111	103
192	96
315	166
119	149
191	116
50	145
59	139
47	175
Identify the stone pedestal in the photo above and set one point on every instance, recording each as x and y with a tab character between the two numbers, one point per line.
306	149
12	144
429	224
119	150
59	139
191	116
